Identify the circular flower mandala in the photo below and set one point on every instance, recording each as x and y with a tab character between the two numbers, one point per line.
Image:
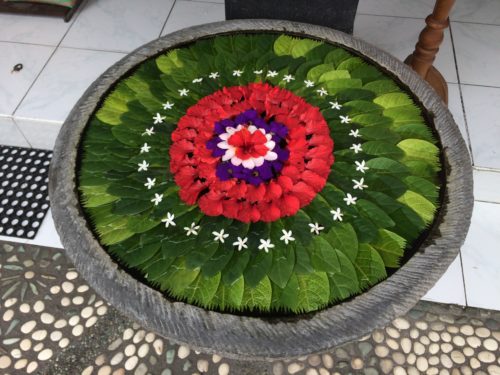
251	153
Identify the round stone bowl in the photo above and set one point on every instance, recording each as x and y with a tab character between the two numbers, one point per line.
250	337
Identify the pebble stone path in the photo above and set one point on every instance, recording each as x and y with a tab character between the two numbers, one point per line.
51	322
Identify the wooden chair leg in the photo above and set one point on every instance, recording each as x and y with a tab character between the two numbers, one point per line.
428	45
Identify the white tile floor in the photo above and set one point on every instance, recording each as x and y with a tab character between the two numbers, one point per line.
61	59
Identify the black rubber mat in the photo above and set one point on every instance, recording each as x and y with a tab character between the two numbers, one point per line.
24	193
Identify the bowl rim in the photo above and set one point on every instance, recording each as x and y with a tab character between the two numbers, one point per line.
255	338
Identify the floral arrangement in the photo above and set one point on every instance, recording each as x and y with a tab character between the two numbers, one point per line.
259	172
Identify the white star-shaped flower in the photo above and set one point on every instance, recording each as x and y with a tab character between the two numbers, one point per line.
354	133
309	83
197	80
260	71
350	199
265	245
316	228
287	236
361	167
220	236
149	131
288	78
192	230
356	148
158	119
359	184
337	214
241	243
169	220
151	182
335	105
345	120
322	91
145	148
168	105
157	199
214	75
183	92
272	73
143	166
237	73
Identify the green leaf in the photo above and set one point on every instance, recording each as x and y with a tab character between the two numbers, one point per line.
258	297
394	99
302	259
257	267
383	86
179	278
381	148
337	56
229	297
417	131
234	269
131	206
387	166
351	63
417	149
314	291
343	283
303	46
202	290
374	213
343	237
284	45
323	255
282	265
423	187
369	266
95	196
217	262
390	246
419	204
319	70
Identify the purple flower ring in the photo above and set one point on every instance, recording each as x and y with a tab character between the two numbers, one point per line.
250	148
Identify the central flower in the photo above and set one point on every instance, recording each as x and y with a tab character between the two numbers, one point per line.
251	153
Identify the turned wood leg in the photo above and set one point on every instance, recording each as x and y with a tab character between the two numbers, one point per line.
427	47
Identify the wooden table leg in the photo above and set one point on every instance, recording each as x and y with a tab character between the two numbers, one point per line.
427	47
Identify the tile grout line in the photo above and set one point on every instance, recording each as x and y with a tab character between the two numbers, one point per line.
166	20
461	93
48	60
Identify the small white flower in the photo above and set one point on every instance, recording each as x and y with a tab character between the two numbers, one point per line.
149	131
345	120
356	148
183	92
145	148
309	83
197	80
192	230
265	245
350	199
354	133
322	91
288	78
315	228
361	167
220	236
287	236
158	119
237	73
214	75
168	105
143	166
169	220
359	184
337	214
335	105
157	199
272	73
260	71
241	243
151	182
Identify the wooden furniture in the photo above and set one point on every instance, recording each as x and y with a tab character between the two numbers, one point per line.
40	8
427	47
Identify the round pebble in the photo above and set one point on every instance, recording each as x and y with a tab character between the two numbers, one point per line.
406	345
67	287
401	323
394	333
399	358
55	335
446	337
425	340
494	370
446	347
183	351
78	300
61	323
433	360
139	336
327	361
381	351
64	343
105	370
446	361
378	336
129	350
312	371
128	334
414	333
467	330
295	367
71	275
21	364
483	332
398	370
5	362
117	358
473	341
131	363
202	365
77	330
468	351
24	308
486	357
8	315
31	367
45	354
418	348
25	344
90	322
490	345
28	326
474	363
422	325
158	346
433	348
314	360
143	350
39	306
434	336
224	369
357	363
422	364
39	335
393	344
457	357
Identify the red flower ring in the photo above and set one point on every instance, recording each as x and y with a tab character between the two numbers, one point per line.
303	175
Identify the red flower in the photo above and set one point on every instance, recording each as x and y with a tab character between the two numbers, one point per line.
304	174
